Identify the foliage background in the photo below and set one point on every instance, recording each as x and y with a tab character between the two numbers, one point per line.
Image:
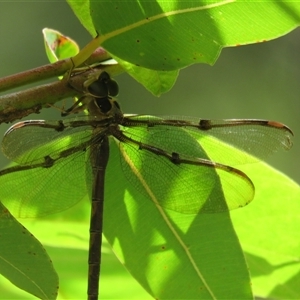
256	81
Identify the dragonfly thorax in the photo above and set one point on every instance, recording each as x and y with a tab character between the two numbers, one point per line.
105	107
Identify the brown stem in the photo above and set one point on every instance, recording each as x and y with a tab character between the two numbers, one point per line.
48	71
20	104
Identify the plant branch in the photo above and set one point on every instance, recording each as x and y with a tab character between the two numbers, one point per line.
20	104
48	71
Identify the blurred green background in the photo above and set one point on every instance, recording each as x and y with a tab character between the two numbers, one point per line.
255	81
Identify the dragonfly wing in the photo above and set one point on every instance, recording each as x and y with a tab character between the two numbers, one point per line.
259	138
190	185
30	142
41	191
51	171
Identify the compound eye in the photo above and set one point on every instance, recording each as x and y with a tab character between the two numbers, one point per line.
104	86
113	88
104	76
98	89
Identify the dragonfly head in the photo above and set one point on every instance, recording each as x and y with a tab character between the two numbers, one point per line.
101	86
97	95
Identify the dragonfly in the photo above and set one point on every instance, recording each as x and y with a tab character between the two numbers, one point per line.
63	160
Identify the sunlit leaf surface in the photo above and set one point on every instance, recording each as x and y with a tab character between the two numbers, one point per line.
23	259
170	35
166	35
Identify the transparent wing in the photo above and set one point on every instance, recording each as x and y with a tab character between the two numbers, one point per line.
41	191
30	142
174	170
190	185
218	138
50	176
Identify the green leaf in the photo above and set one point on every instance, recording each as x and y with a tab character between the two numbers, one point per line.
157	82
168	35
269	233
81	8
24	261
172	255
58	46
65	237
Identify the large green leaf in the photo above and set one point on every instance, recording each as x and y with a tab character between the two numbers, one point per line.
172	255
23	259
128	225
65	237
168	35
269	233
